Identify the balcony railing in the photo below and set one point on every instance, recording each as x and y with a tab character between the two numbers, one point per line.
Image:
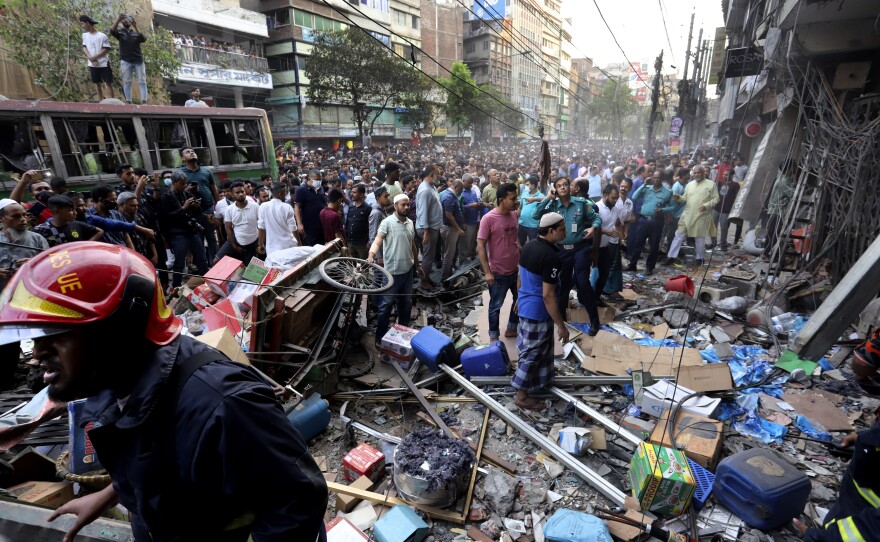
222	59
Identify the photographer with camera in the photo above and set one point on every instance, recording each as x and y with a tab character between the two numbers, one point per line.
179	208
131	59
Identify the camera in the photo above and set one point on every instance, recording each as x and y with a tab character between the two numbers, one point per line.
194	224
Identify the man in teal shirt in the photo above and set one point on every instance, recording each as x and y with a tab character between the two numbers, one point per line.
576	250
649	225
675	209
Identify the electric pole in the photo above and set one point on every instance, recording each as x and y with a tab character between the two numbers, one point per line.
655	97
684	86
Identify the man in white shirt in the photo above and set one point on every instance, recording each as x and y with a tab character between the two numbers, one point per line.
277	222
739	170
96	48
241	219
611	232
196	100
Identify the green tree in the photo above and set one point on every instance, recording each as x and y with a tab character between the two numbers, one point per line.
45	37
351	68
616	112
475	107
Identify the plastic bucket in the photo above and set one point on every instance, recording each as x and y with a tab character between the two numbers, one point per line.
681	283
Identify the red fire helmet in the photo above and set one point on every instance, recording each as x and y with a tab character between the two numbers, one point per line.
81	283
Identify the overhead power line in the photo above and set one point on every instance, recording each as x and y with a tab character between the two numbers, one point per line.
369	33
666	29
639	75
411	44
527	52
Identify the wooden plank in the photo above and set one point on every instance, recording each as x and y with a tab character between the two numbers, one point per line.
424	402
819	409
386	500
477	454
490	456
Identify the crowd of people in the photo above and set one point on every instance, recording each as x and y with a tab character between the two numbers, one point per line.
419	212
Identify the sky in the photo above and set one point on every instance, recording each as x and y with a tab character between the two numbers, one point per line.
638	26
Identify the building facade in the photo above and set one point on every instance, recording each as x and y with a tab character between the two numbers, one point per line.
442	35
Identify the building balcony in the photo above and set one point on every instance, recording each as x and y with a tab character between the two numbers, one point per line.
214	13
210	66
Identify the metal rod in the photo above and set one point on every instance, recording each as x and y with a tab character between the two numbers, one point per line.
565	380
370	431
429	410
597	416
623	315
606	488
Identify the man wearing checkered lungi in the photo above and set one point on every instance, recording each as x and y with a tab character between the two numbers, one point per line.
538	309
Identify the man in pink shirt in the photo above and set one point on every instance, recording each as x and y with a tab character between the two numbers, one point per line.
498	247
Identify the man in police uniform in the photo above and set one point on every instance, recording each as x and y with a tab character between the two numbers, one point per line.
577	251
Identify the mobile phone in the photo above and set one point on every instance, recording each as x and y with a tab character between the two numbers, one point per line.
41	174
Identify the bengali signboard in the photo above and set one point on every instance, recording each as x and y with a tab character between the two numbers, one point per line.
224	76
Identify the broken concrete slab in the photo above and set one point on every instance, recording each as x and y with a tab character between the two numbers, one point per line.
498	490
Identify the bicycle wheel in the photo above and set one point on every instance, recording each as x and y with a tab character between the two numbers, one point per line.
355	275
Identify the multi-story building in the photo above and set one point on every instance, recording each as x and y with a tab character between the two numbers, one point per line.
551	44
582	69
442	35
226	60
487	52
526	73
567	79
292	24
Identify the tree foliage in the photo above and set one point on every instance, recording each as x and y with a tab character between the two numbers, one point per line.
45	37
351	68
616	113
475	107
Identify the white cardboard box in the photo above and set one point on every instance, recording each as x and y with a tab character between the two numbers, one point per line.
661	396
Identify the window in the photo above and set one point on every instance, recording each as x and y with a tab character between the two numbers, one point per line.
486	45
470	48
278	17
316	22
415	22
96	146
492	46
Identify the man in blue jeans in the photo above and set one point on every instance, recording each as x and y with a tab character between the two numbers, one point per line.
400	254
498	247
131	59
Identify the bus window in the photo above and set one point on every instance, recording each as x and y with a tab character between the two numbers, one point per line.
97	146
198	139
250	140
23	146
224	138
165	139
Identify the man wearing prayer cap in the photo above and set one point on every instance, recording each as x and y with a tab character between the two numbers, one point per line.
538	307
17	245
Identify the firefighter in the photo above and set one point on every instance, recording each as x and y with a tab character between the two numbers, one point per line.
197	446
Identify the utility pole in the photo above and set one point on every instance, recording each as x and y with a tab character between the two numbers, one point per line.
655	97
694	101
684	86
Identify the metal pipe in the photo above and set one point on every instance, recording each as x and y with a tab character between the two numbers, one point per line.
597	416
606	488
370	431
565	380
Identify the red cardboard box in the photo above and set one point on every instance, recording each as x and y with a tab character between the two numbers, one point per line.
363	461
203	297
219	277
225	314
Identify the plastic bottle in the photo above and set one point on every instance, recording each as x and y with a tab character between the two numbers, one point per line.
785	323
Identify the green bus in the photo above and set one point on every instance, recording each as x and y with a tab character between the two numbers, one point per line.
84	142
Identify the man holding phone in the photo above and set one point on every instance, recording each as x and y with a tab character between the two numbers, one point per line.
34	181
131	59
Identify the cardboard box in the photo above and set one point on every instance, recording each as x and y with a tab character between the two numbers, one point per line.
243	294
83	458
389	357
258	272
219	277
363	461
346	503
699	437
225	314
224	341
202	297
659	397
51	494
342	530
709	377
661	479
616	355
396	341
638	427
